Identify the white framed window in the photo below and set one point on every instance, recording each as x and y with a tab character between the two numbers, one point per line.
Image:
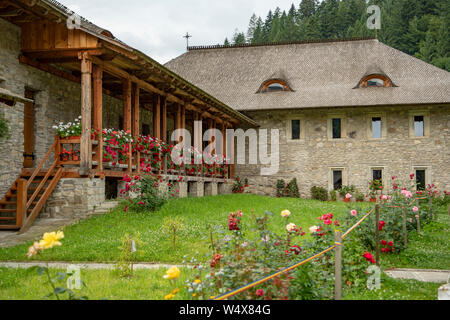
337	177
376	126
336	126
422	177
378	173
295	129
419	124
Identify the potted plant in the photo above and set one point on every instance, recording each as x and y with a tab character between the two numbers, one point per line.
374	187
70	130
333	195
346	192
359	196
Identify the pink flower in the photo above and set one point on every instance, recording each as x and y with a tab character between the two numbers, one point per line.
327	221
354	213
415	209
348	196
260	292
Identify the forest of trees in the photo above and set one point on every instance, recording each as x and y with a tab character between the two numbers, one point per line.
417	27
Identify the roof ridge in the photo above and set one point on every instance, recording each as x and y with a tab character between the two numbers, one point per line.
245	45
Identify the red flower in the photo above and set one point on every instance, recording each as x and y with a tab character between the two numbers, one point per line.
384	242
296	249
125	209
391	243
411	176
260	292
369	257
327	222
381	225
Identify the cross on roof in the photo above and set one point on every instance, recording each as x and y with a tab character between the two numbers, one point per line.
187	36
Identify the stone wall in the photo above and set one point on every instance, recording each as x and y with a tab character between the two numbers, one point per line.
75	198
312	158
56	100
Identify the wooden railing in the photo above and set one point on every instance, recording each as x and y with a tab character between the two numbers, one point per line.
135	162
23	203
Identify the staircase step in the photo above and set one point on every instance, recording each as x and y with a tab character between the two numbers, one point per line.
7	218
7	203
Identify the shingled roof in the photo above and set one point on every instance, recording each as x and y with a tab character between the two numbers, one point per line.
321	74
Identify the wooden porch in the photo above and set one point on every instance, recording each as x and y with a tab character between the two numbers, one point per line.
103	65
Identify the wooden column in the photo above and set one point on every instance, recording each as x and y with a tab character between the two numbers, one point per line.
135	111
86	106
338	266
198	132
127	105
97	74
230	143
157	117
135	127
178	123
224	139
164	119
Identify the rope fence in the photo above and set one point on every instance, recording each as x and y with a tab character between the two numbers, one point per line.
337	244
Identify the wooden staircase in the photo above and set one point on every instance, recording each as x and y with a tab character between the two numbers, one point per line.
27	196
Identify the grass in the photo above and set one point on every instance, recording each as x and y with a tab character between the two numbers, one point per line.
428	250
395	289
25	284
98	238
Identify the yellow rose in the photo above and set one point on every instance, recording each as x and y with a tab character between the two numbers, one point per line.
197	281
172	273
169	297
285	213
51	239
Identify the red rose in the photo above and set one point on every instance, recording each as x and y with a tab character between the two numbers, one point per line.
381	225
391	243
384	242
296	249
260	292
369	257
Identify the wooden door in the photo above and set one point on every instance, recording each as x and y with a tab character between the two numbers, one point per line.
28	131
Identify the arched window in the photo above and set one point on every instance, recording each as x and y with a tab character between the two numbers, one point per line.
375	80
274	85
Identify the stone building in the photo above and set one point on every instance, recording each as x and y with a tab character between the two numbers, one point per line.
56	66
347	111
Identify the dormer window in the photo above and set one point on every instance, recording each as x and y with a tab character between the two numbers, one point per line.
375	80
274	85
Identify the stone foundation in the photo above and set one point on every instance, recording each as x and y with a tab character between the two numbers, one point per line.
196	188
210	188
75	198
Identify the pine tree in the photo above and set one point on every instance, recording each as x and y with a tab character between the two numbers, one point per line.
258	32
226	43
267	27
238	37
427	51
251	27
307	9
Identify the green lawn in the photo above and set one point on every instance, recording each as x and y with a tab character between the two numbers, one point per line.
98	238
395	289
429	250
25	284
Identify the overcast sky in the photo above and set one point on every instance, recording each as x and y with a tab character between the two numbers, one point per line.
156	27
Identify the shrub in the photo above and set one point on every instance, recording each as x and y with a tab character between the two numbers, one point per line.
292	189
128	249
333	195
281	187
239	185
287	190
146	193
172	226
319	193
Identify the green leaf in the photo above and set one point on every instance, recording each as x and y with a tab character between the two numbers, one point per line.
59	290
